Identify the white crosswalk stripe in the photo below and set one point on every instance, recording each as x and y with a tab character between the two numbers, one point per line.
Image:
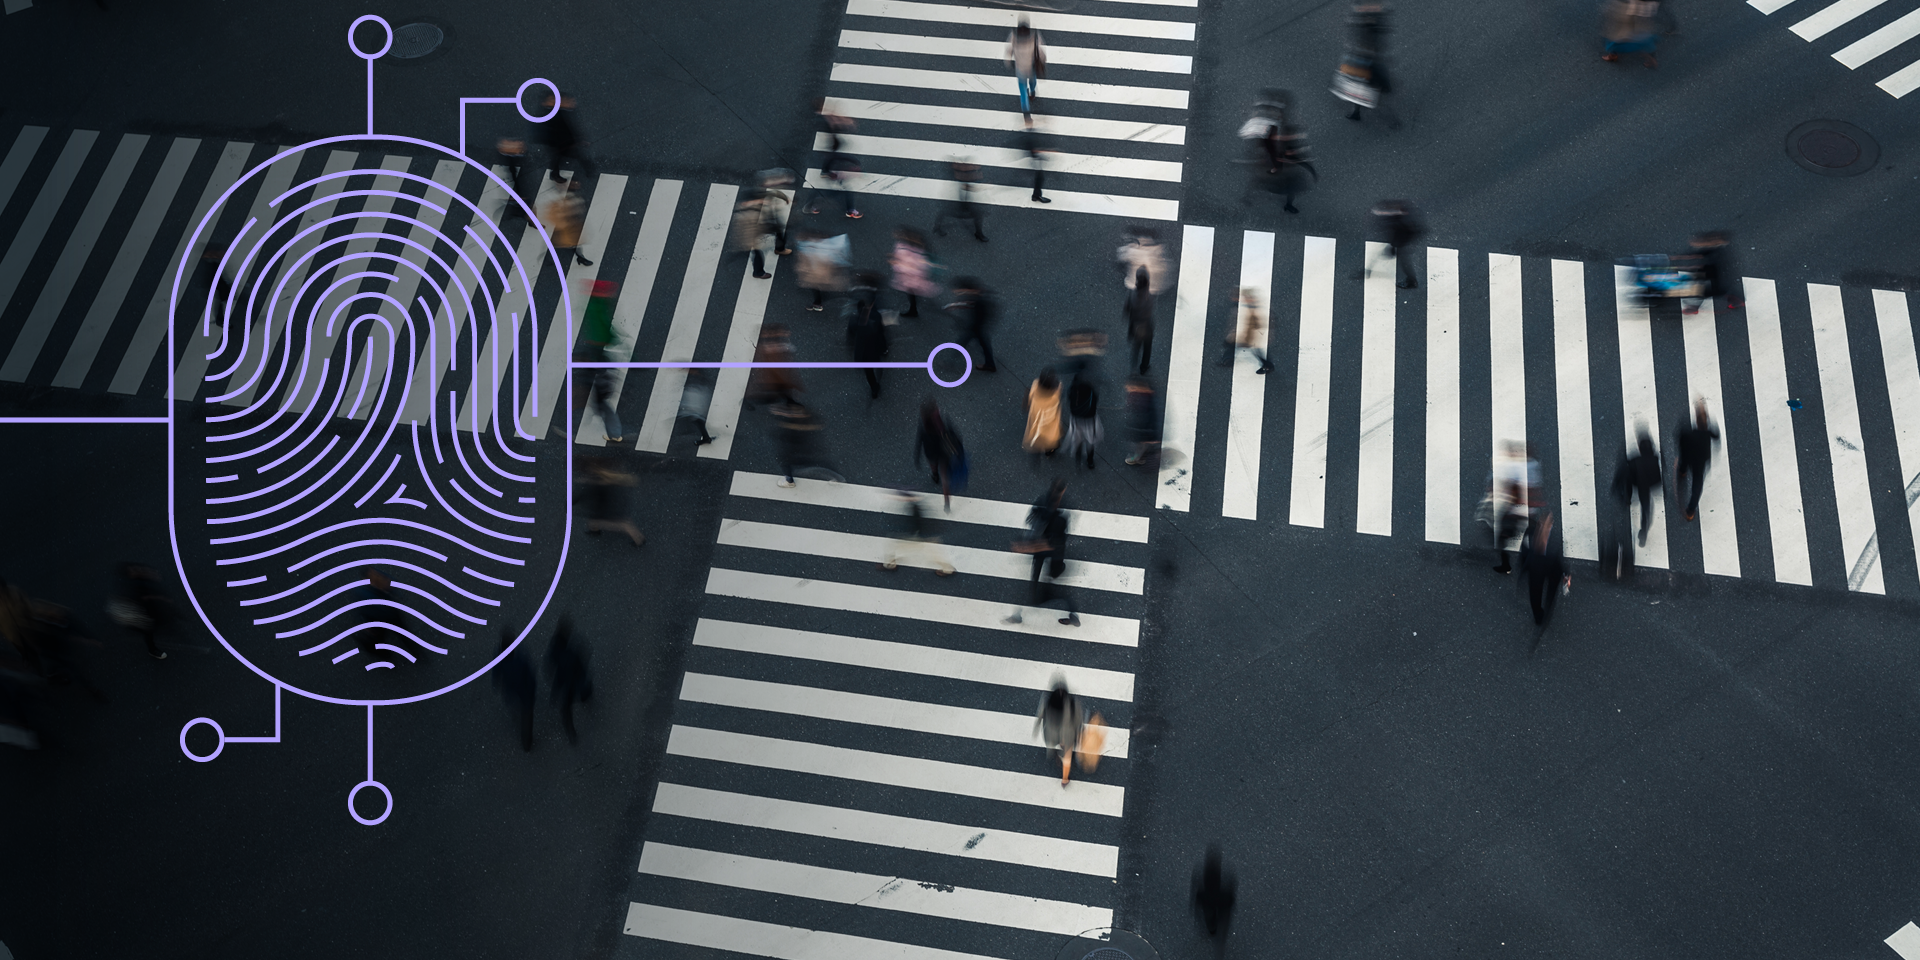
1875	32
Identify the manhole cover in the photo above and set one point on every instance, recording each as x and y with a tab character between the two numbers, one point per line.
1107	953
416	40
1832	148
1106	944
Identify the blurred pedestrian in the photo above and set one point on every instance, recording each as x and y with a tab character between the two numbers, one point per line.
1083	420
143	606
1630	26
1263	128
1036	148
376	593
797	434
822	264
563	141
511	153
1143	421
1080	353
1047	542
1512	490
915	542
603	396
696	398
756	228
1399	229
1297	174
607	499
1713	263
1043	414
1695	437
1544	558
1213	895
965	175
513	677
773	384
213	276
572	681
1362	77
1640	474
1249	331
839	165
1141	248
1028	58
1139	315
939	445
564	217
1058	723
973	311
913	267
867	339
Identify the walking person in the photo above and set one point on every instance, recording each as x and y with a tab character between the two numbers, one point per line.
1399	229
1138	312
511	152
1058	724
1544	557
797	433
1640	474
965	175
1248	331
1713	261
1042	435
1047	543
607	499
1143	421
603	396
563	141
1141	248
143	606
822	265
1629	26
773	384
696	399
1262	129
1036	148
939	445
1083	420
1028	58
838	165
1696	437
867	339
564	217
755	229
572	682
1297	174
973	311
914	541
1512	491
513	677
1362	77
912	266
1213	896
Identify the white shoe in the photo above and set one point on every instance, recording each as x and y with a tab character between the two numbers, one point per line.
783	483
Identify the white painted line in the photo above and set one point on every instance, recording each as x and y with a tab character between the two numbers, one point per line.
319	345
1308	503
696	288
886	830
20	156
753	938
112	292
1719	536
15	6
39	217
152	331
1507	346
631	307
1902	81
1007	19
1079	164
189	377
1779	453
1573	393
1004	564
1852	492
911	605
1767	6
1903	387
1002	195
1833	17
1374	507
452	316
1181	416
1640	403
1906	942
743	339
870	890
1157	3
912	658
912	773
556	351
1003	85
935	718
1880	41
995	50
446	176
1010	121
991	513
494	368
1247	415
1443	395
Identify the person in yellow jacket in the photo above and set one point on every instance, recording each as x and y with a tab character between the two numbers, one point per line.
1043	414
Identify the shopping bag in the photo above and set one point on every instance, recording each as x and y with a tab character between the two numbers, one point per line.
1093	739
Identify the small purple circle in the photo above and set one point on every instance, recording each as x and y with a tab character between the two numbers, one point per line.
963	355
222	745
520	100
362	54
384	814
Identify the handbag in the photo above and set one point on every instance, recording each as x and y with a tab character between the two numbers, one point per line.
1093	740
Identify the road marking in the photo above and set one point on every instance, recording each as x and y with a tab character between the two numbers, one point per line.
1639	401
1008	19
442	354
1903	388
871	890
631	307
1573	388
550	365
19	157
1902	81
498	357
1906	942
1179	422
1506	329
912	605
224	334
1852	493
935	718
318	344
757	939
1010	121
912	658
1767	6
1374	501
696	289
46	204
1443	395
1307	505
1779	453
886	830
1005	564
1002	85
1880	41
1719	536
912	773
1002	195
1833	17
446	176
995	50
1247	416
743	340
992	513
1080	164
152	330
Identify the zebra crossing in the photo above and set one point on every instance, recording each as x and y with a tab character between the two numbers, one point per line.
1780	374
927	84
1873	33
849	737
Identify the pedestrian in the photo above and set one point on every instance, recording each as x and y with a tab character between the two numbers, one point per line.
1043	414
914	541
1080	353
564	216
1696	438
213	276
1139	315
1028	58
1141	248
1362	77
1713	263
513	677
755	230
1640	474
867	339
696	398
1262	129
607	499
1083	420
1399	229
374	596
913	267
603	396
773	384
572	681
1047	542
512	154
939	445
839	165
1630	26
1544	557
143	605
1036	148
1297	174
822	264
1511	492
965	175
1143	421
797	433
1249	331
973	311
563	141
1058	723
1213	894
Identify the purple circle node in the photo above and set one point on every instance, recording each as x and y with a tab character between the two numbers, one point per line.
964	355
384	814
520	100
196	758
362	54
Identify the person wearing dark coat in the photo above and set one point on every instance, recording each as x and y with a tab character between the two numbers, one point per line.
867	338
572	683
1543	556
939	445
1715	266
513	677
1639	473
1695	437
1138	311
1213	896
973	312
1047	542
563	141
1143	420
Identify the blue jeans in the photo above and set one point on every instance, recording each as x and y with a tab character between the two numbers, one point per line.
1028	84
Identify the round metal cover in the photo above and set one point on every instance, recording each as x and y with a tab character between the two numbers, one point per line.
1832	148
1106	943
1108	953
416	40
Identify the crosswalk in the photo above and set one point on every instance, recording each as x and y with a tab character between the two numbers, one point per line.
1870	34
1804	433
849	737
927	84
